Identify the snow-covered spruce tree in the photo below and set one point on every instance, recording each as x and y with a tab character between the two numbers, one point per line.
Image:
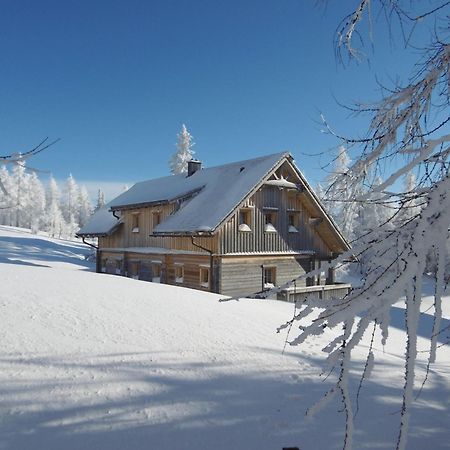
409	124
54	222
6	200
84	206
100	200
335	195
179	161
70	207
19	195
36	201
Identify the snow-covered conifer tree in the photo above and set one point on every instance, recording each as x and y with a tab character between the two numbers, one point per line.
84	206
408	130
70	207
70	199
36	203
100	200
20	195
53	215
178	161
335	196
6	199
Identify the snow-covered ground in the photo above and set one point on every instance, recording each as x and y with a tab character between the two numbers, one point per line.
93	361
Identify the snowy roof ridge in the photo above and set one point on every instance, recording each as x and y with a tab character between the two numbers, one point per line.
213	194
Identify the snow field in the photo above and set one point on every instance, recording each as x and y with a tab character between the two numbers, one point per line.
104	362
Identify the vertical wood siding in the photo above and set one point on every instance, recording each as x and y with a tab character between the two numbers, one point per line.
124	237
281	202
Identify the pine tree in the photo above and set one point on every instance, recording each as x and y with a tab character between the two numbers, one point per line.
178	161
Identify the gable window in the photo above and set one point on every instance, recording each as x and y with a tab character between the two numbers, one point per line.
293	223
269	221
245	220
204	276
156	218
179	273
270	274
135	222
156	271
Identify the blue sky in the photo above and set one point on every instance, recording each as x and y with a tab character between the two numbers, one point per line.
116	79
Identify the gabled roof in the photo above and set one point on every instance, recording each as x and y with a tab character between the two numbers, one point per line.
213	194
205	199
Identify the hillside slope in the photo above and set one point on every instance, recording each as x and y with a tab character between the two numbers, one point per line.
93	361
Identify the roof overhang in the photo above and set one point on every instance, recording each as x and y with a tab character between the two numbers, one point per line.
101	234
164	201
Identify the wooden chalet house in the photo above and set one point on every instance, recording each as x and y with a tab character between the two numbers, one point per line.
233	229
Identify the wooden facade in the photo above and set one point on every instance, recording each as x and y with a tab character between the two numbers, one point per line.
278	232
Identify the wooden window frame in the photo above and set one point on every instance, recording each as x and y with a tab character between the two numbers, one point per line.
134	273
294	226
156	218
179	279
204	270
119	265
272	270
135	222
245	220
156	265
269	225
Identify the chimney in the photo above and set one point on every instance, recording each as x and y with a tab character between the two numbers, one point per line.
193	166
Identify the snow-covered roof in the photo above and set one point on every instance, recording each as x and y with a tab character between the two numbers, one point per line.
102	223
213	194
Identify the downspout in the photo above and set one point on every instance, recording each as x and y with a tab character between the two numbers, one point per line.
211	254
97	259
114	214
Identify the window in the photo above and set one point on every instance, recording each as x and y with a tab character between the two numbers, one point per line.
179	273
156	218
204	276
135	223
118	267
292	223
270	220
134	270
270	277
245	220
156	272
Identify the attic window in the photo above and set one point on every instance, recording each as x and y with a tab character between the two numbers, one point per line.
156	218
293	223
270	219
245	220
135	223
